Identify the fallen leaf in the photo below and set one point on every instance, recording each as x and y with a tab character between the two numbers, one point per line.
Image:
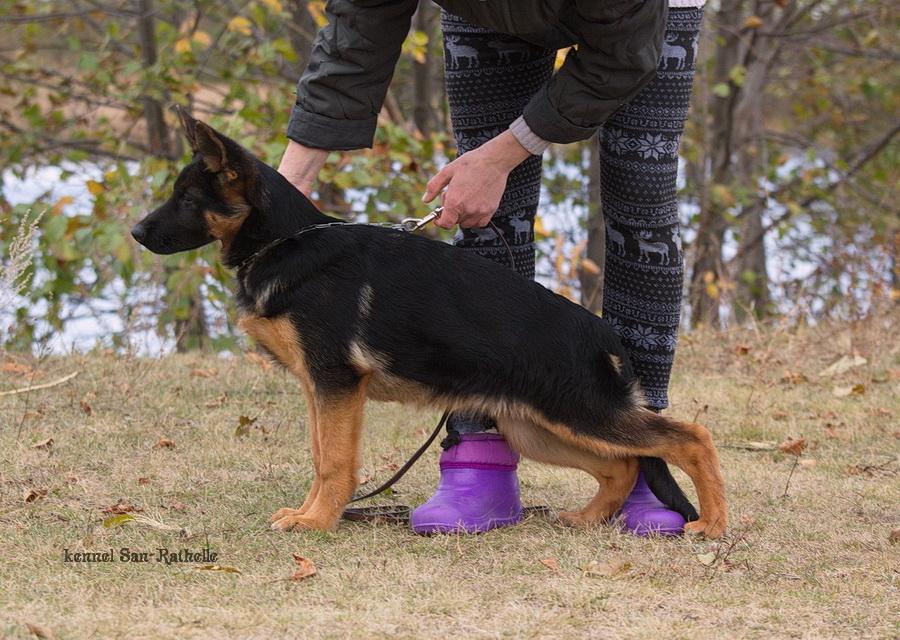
706	559
389	466
550	563
117	520
218	402
243	427
607	569
143	480
793	446
122	506
86	407
305	568
894	537
780	415
15	367
742	349
808	462
855	390
34	494
165	443
180	507
842	365
43	444
794	377
38	631
831	434
760	445
218	567
203	373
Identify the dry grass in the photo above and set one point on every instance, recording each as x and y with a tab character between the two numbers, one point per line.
814	564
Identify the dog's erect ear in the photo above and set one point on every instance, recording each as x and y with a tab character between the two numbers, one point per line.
212	148
188	125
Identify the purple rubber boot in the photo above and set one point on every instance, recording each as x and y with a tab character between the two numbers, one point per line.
643	514
478	490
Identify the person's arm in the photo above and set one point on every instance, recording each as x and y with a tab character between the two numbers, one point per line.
349	70
618	55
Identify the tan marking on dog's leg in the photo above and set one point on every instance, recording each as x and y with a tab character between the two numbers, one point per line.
314	448
616	477
339	428
687	446
696	456
279	336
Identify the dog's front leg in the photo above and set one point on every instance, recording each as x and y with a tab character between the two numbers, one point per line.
338	433
314	448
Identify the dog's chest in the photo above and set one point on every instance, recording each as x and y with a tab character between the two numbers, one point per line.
280	338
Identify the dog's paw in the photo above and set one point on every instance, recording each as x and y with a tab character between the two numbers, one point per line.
285	511
295	520
711	530
573	519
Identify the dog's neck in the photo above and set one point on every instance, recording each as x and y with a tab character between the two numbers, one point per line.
277	210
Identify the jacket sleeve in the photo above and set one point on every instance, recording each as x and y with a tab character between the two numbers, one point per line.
617	55
350	67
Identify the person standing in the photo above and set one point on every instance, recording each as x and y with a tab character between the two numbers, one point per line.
630	76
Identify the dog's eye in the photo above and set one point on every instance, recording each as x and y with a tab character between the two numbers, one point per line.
187	200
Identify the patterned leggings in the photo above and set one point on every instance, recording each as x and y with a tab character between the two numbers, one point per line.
490	78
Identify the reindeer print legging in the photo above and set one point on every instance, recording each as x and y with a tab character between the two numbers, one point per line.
490	78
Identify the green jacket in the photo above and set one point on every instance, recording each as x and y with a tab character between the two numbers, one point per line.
353	58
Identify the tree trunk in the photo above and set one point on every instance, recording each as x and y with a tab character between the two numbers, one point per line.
706	273
751	296
592	284
752	280
424	107
157	131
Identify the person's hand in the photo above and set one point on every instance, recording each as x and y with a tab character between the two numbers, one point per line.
301	165
475	182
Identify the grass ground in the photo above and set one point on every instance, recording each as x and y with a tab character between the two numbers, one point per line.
808	555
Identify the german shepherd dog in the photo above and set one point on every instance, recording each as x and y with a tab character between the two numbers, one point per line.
362	311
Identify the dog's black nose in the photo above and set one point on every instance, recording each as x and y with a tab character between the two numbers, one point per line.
139	232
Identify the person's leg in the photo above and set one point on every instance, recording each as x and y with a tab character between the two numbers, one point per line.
643	280
490	78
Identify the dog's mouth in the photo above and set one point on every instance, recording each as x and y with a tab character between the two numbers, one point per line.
162	243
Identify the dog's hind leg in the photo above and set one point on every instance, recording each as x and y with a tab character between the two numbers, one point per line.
687	446
690	447
616	476
338	430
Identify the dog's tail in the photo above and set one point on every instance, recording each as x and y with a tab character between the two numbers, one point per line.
665	488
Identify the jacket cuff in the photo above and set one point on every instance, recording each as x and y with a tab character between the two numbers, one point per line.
321	132
547	123
534	144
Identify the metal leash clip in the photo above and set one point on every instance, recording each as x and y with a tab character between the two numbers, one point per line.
414	224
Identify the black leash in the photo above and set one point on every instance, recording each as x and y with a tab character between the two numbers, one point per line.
398	512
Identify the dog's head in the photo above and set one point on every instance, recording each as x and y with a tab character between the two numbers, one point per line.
210	199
